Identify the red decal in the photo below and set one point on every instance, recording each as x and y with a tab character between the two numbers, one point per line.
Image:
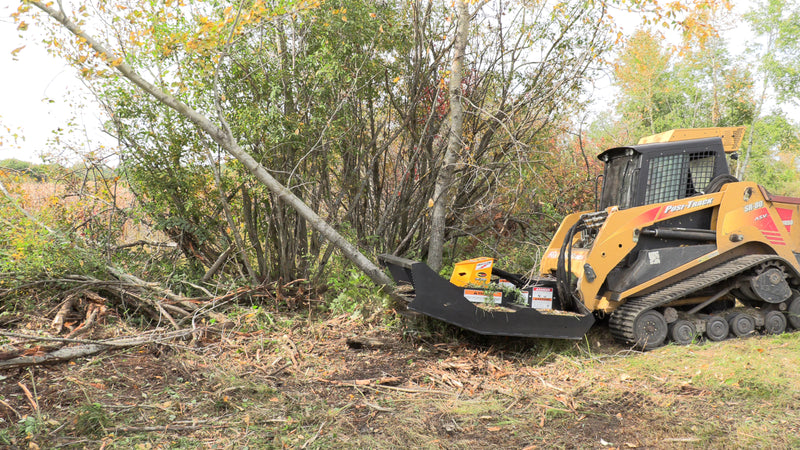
773	237
762	220
786	217
648	216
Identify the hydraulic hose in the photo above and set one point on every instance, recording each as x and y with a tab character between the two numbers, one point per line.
515	279
564	289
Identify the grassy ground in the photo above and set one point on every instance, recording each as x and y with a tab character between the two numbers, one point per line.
276	380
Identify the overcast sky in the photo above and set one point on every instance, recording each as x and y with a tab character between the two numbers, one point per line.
35	88
33	95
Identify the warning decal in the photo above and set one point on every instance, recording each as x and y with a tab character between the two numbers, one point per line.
478	296
542	298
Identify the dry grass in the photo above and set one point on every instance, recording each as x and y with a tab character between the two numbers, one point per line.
85	203
278	380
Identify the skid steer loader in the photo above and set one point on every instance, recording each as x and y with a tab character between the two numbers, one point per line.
678	250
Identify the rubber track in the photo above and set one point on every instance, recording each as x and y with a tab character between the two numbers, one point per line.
621	321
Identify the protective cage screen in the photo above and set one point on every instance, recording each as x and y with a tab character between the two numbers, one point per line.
678	176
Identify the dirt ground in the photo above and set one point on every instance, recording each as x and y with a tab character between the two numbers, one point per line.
287	380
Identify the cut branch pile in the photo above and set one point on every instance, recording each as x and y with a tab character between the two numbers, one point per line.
87	298
128	293
91	299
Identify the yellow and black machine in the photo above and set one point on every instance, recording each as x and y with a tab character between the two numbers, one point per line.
677	250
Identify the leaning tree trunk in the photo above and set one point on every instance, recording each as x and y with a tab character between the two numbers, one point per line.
441	192
224	138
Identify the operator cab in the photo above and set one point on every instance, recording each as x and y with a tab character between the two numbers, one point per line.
639	175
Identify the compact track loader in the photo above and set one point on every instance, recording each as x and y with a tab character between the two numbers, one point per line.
677	250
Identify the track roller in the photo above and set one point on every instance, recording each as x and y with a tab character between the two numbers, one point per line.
774	322
682	332
716	328
741	324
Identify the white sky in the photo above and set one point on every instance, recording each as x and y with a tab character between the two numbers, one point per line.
35	90
39	94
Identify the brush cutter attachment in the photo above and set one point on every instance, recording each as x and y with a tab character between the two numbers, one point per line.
505	309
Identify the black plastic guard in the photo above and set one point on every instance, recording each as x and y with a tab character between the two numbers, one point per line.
440	299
